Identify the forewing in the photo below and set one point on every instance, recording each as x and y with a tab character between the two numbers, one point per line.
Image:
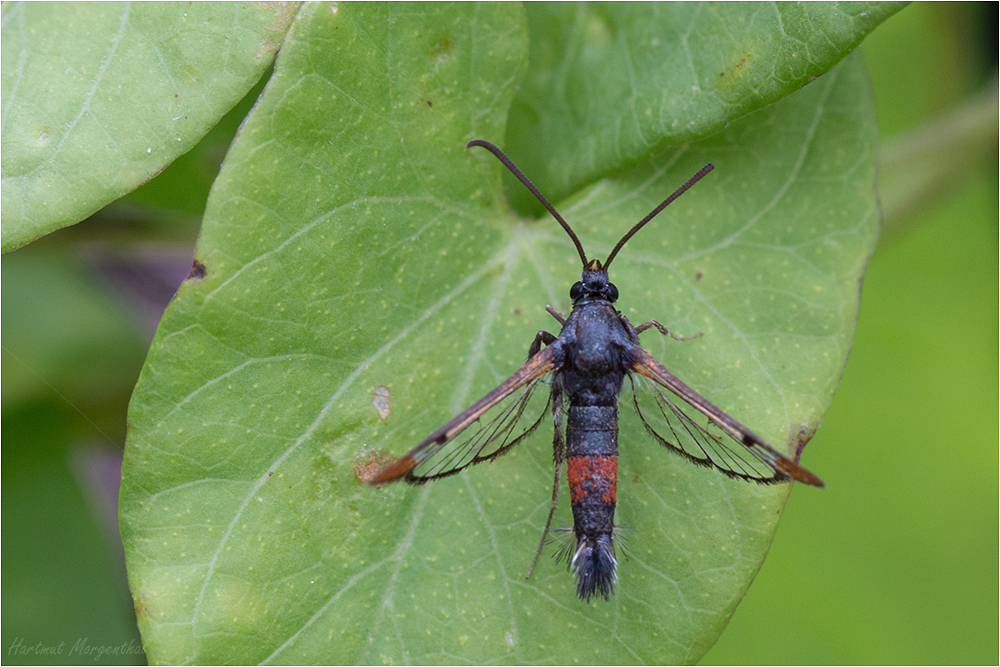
484	431
684	421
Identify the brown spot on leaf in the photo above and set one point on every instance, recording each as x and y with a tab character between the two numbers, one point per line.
738	68
198	271
366	466
442	48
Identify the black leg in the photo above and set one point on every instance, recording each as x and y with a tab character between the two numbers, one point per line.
653	324
556	314
559	456
536	345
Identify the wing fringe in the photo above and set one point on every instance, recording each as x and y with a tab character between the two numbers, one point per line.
784	468
545	361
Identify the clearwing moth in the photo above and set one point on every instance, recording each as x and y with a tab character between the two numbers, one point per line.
587	363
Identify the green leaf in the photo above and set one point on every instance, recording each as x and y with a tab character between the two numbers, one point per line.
99	97
353	248
611	85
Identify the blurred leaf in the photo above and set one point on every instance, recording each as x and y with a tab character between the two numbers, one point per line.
65	601
62	333
100	97
920	166
611	85
351	244
927	58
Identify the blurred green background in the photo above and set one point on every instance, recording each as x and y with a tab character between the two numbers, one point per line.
894	562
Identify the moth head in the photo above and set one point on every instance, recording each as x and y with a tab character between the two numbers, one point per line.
594	285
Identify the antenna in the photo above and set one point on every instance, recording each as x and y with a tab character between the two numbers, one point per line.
500	155
652	214
531	186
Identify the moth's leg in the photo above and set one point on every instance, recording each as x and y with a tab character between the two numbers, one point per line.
536	345
552	511
559	457
556	314
653	324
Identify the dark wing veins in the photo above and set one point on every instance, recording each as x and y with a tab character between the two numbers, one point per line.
450	449
736	451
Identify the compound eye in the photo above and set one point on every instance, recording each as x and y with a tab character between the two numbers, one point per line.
612	293
576	291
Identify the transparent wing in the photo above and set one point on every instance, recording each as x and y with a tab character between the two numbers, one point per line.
701	432
487	429
674	428
495	434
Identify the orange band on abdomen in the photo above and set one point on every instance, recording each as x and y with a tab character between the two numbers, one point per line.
589	475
